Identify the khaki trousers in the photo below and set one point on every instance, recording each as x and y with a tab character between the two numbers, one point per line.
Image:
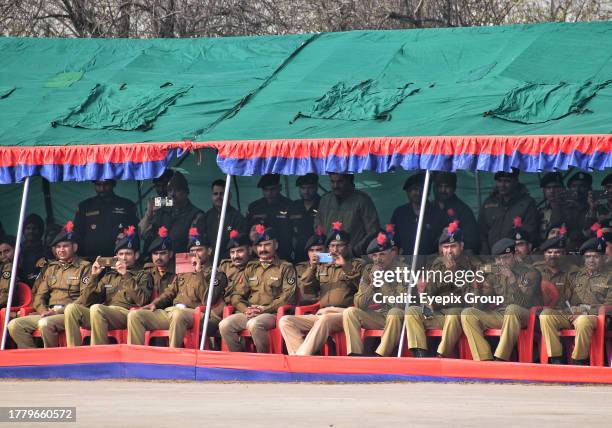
551	321
76	316
176	320
21	330
258	326
449	320
316	327
354	319
474	322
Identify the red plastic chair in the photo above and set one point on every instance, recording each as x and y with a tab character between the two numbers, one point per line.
23	299
119	335
339	338
600	340
378	333
275	344
192	336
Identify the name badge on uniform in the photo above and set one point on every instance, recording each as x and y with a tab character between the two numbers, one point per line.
322	273
92	213
180	306
72	278
118	210
108	285
274	278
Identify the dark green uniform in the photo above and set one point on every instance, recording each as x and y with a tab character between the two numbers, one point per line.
302	222
178	221
210	225
275	215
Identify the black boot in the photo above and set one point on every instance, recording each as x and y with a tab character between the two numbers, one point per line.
555	360
500	359
418	353
585	362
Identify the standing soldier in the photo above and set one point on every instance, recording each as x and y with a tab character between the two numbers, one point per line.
265	285
315	244
519	286
179	217
583	205
337	282
406	219
452	266
600	209
509	199
591	287
60	284
445	187
233	219
174	309
98	220
353	208
239	247
112	290
161	258
555	210
32	249
272	210
161	188
302	213
372	311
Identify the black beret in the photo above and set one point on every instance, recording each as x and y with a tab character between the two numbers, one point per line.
514	174
237	240
503	246
607	180
337	234
318	238
446	177
413	180
161	242
593	244
558	243
65	235
129	240
178	182
382	242
8	239
581	176
197	239
518	232
268	180
264	234
310	178
552	178
451	234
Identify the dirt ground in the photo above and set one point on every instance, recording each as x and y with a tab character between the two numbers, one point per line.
120	403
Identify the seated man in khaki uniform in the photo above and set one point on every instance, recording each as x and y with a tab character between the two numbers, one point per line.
59	285
519	286
106	301
161	260
373	310
315	244
337	283
173	310
556	268
6	266
239	248
453	263
264	286
590	287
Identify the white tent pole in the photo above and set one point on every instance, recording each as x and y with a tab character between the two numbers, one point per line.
213	276
24	203
478	194
415	254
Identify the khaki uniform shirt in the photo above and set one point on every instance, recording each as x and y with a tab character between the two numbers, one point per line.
364	298
442	283
561	279
160	283
113	289
232	273
524	291
5	282
191	290
336	285
268	285
309	294
588	292
60	284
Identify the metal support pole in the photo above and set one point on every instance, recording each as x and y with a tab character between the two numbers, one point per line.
415	253
213	277
24	203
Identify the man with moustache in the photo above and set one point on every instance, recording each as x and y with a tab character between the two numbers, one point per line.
160	265
239	247
337	283
265	285
556	269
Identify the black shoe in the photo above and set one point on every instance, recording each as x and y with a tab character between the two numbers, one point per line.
500	359
585	362
418	353
555	360
356	355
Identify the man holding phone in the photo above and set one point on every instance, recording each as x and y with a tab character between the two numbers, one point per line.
115	286
264	286
59	285
336	276
173	310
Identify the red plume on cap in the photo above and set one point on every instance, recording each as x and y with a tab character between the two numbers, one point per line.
517	222
381	239
595	227
390	228
233	234
162	232
319	231
599	233
69	227
452	228
193	231
562	231
260	229
130	230
337	225
450	212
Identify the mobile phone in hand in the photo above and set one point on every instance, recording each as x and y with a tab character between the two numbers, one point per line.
325	257
107	262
